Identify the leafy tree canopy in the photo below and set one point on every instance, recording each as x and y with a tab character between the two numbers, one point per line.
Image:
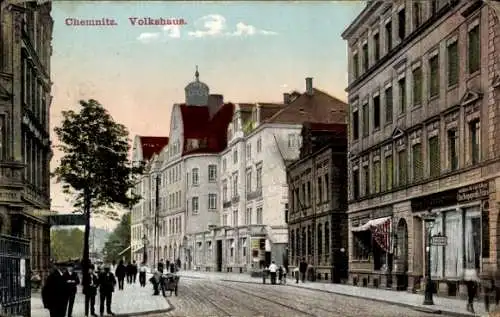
66	244
118	241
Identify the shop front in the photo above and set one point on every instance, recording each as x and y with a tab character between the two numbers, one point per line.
462	216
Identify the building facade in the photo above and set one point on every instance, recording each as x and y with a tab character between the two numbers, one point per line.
317	187
25	148
423	140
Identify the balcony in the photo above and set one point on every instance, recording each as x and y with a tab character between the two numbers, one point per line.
255	194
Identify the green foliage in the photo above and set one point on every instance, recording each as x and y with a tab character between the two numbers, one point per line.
118	241
66	244
248	127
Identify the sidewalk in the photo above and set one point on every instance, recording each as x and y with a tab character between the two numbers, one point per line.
447	306
133	300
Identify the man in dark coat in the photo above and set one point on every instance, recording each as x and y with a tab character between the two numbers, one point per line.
303	269
91	282
72	280
120	273
55	293
107	282
161	266
135	270
130	272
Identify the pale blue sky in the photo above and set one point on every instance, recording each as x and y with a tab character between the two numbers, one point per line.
138	82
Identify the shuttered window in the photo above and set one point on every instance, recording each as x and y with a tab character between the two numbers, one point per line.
474	50
402	168
434	76
366	120
388	105
376	177
418	164
417	86
434	157
452	64
366	176
388	172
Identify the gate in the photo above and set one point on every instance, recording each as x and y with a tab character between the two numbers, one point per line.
15	286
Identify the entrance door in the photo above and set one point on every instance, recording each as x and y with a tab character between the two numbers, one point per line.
218	255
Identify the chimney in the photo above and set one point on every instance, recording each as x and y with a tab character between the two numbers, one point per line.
309	86
286	98
214	104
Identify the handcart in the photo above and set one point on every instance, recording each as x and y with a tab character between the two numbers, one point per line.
171	283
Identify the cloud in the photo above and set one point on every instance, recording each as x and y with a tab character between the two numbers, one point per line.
215	25
171	31
148	37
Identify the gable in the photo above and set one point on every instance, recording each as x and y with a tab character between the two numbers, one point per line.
397	133
470	96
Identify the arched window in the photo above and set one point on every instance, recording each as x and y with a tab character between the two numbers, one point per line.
327	238
320	240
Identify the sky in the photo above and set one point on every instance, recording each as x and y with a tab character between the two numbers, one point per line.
246	51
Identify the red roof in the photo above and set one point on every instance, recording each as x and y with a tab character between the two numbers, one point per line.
211	133
152	145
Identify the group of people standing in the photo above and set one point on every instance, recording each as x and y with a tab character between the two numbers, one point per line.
125	271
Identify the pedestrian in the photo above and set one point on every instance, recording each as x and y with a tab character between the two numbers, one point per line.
120	273
303	269
172	267
130	272
160	266
142	274
471	282
178	263
273	269
296	272
107	283
90	291
167	265
134	271
72	280
282	274
55	293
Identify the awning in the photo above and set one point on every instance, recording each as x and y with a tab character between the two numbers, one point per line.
372	223
128	248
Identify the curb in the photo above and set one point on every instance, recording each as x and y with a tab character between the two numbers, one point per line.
410	306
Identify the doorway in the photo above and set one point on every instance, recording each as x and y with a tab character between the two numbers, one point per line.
218	255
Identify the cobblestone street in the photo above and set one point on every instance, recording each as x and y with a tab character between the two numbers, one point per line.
198	297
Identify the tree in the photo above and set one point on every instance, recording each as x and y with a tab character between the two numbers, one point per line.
119	240
95	166
66	244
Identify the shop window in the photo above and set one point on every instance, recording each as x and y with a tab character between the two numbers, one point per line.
437	251
361	245
379	258
472	238
454	248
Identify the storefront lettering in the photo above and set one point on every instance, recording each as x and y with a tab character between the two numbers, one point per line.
9	195
473	192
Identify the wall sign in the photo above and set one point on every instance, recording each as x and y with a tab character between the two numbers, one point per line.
473	192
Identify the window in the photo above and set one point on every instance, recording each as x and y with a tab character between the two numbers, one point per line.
452	149
224	220
453	65
388	36
388	105
327	238
235	185
258	177
319	190
212	173
475	141
402	24
417	86
259	145
249	181
366	179
195	177
249	150
434	157
361	245
319	242
308	194
195	205
259	216
355	184
291	140
3	138
365	57
389	171
402	168
376	112
327	186
417	163
248	216
355	125
402	95
366	120
355	65
212	201
474	50
224	191
376	177
434	76
235	156
376	47
417	15
235	218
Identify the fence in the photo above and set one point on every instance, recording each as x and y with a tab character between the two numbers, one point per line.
15	286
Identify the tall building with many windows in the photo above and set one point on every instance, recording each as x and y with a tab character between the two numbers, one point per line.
424	139
25	148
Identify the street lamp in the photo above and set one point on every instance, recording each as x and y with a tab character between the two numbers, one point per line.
144	251
429	220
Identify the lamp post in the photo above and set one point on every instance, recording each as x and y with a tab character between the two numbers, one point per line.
145	252
429	220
